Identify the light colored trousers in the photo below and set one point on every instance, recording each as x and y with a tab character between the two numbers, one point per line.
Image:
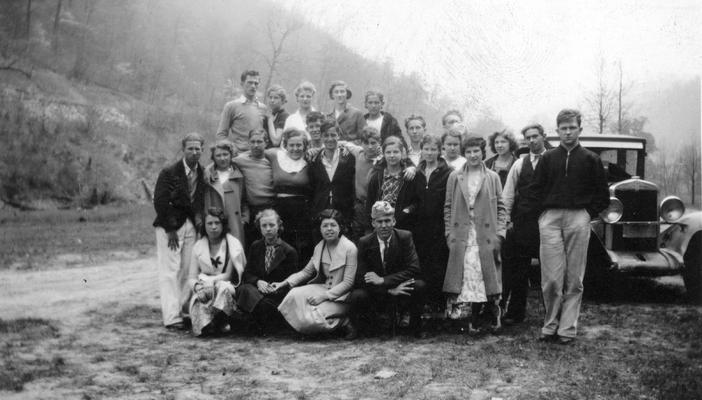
173	268
564	239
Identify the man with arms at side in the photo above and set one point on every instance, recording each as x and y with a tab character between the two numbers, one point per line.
522	241
241	115
388	270
258	181
178	200
571	188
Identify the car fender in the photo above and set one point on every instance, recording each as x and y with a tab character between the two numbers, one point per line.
677	235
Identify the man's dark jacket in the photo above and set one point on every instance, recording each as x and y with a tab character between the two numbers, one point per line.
401	261
172	198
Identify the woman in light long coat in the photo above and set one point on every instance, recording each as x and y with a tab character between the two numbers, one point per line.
216	268
316	302
225	188
474	222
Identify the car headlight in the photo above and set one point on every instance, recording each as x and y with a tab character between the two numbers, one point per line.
613	212
672	208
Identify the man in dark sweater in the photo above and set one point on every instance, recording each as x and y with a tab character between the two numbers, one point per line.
178	200
570	187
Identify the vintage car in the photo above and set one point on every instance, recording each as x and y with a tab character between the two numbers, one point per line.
639	233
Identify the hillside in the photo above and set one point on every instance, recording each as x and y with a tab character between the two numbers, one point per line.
97	94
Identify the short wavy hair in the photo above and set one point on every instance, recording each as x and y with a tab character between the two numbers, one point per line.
217	213
328	123
474	141
368	133
378	93
223	145
414	117
334	214
293	133
278	90
451	112
268	212
513	145
305	86
568	114
458	131
430	139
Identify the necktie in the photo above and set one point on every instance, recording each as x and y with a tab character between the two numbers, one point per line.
192	183
386	243
535	159
269	257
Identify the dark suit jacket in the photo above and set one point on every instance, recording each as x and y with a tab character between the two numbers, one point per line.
401	262
342	187
283	265
172	198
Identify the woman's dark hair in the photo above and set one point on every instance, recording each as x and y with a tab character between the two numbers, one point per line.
393	140
268	212
474	141
219	214
328	123
429	139
293	133
513	146
314	116
331	213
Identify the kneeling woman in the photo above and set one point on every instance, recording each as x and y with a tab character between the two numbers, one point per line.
215	270
318	306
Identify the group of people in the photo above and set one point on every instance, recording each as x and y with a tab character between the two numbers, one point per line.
329	222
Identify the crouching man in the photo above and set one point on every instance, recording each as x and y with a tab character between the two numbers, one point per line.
388	271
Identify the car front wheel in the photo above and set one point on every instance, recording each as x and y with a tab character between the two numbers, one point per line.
692	274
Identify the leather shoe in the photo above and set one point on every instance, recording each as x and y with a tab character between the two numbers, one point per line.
351	333
178	326
564	340
548	338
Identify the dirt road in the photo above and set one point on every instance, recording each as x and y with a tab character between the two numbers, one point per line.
99	335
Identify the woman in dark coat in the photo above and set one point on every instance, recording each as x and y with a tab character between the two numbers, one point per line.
432	174
387	183
270	260
332	175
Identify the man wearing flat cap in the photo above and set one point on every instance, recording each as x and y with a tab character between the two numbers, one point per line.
388	270
350	119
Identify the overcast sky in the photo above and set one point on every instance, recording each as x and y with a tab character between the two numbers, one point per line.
523	59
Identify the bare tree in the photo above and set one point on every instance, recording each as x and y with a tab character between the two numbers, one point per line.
278	30
601	100
690	163
57	19
28	18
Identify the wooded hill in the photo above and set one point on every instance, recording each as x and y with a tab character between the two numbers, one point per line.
97	93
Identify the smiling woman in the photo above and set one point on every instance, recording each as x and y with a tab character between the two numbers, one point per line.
291	183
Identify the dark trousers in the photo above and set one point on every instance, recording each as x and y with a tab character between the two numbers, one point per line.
367	302
297	225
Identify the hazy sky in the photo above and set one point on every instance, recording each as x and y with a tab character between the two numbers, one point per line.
523	59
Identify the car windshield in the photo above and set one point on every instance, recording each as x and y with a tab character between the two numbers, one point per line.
619	163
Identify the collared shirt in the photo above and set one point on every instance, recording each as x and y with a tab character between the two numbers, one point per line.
510	189
382	242
457	164
297	121
330	165
192	179
414	155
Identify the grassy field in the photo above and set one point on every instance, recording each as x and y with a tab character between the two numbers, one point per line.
94	331
47	239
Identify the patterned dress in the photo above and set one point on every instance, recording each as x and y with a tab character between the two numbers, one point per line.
473	286
203	314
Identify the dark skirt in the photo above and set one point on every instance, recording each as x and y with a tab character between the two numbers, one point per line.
297	224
